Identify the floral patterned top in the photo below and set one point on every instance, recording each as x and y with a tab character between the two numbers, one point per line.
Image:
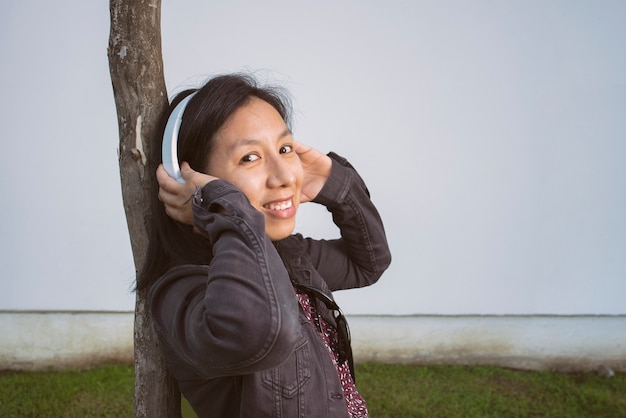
354	401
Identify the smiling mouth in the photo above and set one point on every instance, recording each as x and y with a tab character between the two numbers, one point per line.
279	205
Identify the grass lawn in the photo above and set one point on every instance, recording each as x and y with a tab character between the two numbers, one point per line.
396	391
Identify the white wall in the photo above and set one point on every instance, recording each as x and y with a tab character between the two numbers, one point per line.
491	134
567	343
39	340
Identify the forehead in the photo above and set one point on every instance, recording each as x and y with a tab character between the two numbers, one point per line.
255	121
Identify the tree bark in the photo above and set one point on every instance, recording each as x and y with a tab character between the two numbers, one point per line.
136	67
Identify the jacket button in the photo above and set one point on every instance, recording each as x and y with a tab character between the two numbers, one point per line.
336	395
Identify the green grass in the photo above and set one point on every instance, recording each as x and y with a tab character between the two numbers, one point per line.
102	392
457	391
390	390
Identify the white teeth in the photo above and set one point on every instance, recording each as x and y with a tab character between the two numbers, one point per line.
280	206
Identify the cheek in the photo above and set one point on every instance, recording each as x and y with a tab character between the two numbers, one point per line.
251	186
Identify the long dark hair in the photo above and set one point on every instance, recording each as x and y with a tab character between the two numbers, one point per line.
173	243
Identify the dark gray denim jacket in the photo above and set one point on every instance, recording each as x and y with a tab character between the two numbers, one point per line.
233	333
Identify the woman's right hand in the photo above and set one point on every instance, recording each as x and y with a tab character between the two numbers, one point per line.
176	197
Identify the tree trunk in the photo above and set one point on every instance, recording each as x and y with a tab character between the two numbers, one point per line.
136	67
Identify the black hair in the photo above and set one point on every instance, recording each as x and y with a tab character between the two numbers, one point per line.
173	243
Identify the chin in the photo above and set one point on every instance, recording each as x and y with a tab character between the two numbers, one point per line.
276	234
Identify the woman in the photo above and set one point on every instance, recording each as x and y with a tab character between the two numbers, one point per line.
242	306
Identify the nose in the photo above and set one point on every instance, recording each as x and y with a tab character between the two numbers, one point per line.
280	173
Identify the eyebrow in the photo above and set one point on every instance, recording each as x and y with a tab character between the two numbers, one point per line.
244	142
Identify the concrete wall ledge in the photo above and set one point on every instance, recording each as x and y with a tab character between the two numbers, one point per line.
565	343
36	340
39	340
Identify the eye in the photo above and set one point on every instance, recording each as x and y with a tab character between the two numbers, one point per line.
249	158
286	149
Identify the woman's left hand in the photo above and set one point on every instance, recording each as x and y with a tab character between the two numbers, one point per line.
176	197
316	167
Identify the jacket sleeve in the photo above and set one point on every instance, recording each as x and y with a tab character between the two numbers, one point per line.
239	315
362	254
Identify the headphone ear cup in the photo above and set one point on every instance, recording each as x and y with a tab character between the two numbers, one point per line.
169	148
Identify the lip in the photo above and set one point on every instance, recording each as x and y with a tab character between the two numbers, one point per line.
281	208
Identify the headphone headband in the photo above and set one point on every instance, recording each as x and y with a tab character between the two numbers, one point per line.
170	139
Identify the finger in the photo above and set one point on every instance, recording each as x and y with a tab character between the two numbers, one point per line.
301	148
161	175
195	178
168	198
177	206
186	171
173	213
165	181
171	192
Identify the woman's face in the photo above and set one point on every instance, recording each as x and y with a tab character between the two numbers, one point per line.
254	150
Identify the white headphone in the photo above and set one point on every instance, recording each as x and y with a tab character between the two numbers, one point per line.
170	139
